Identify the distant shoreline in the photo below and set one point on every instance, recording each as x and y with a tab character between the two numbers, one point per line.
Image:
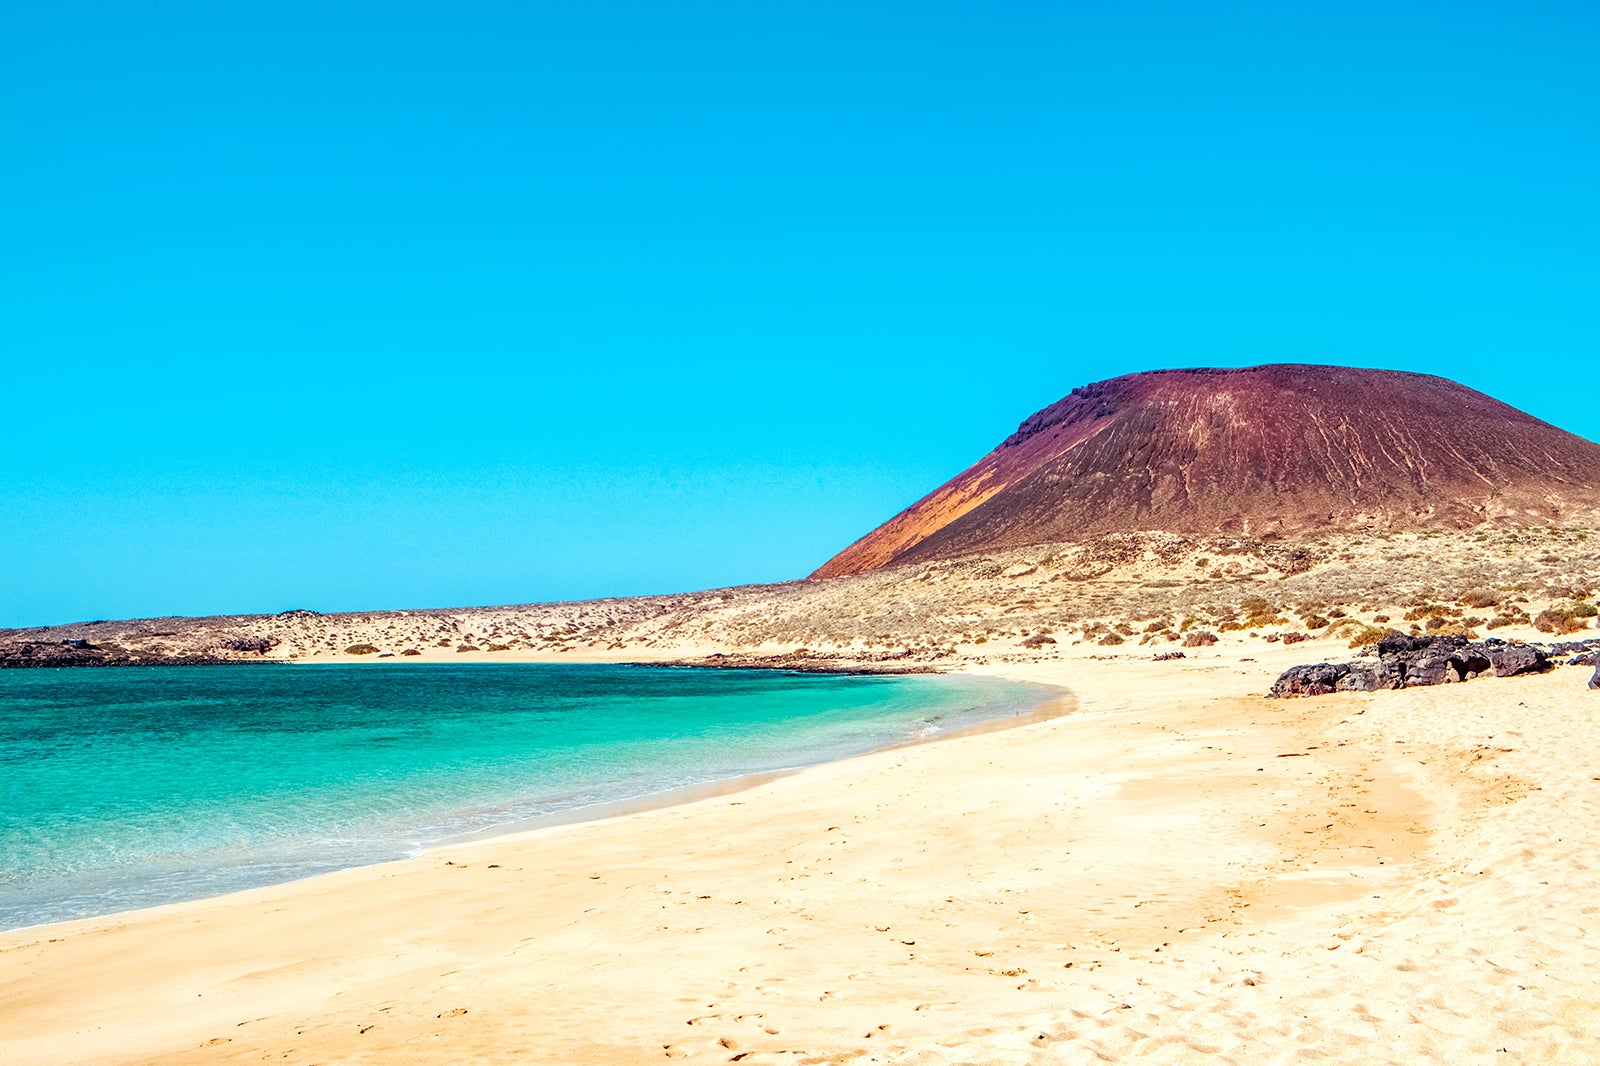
716	661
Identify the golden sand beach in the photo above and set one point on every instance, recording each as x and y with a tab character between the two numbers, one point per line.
1179	870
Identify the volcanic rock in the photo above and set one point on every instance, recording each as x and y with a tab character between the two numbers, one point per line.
1408	662
1263	450
1316	679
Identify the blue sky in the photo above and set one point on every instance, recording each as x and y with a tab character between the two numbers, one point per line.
356	305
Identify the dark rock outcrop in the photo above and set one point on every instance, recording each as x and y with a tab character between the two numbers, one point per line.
1573	647
1360	679
1316	679
259	645
1408	662
51	653
1509	660
25	653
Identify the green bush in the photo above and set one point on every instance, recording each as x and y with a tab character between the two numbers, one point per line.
1368	636
1560	618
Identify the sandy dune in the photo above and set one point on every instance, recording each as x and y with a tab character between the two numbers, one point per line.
1178	870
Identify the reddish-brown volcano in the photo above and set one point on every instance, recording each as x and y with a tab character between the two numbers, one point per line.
1268	449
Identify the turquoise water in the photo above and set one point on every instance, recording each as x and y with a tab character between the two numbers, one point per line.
126	788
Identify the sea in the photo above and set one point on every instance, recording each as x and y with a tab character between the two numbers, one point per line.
123	788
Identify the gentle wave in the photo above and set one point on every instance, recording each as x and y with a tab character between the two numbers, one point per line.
128	788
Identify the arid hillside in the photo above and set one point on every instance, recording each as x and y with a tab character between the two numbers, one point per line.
1126	595
1270	450
1151	512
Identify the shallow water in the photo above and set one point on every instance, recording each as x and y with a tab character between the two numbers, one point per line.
126	788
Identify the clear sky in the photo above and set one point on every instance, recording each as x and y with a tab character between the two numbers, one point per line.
363	305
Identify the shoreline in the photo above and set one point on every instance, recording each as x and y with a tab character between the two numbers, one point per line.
779	663
1055	706
1182	869
1046	706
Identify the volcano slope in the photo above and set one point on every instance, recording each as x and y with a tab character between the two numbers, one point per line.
1259	451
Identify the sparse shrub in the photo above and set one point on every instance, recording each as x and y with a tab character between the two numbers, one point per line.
1343	627
1294	638
1199	638
1316	621
1111	639
466	647
1368	636
1039	640
1480	597
1378	618
411	651
1259	612
361	649
498	647
1560	618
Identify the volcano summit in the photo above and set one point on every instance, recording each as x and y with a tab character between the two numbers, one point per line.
1281	449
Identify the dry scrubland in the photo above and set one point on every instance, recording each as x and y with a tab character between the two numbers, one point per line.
1133	594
